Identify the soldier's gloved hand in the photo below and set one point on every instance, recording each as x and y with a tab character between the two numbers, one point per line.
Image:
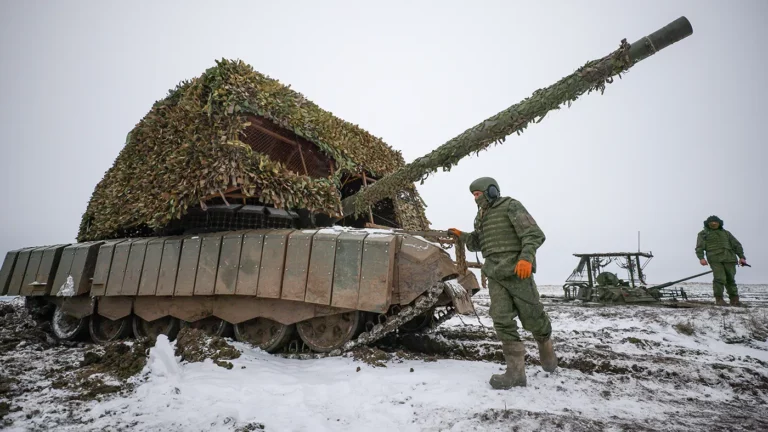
703	262
523	269
454	231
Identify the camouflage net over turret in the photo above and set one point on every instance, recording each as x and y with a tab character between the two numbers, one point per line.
188	147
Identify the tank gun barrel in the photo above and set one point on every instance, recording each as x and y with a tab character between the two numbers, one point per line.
591	77
664	285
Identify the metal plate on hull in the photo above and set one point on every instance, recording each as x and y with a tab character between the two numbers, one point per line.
320	273
296	265
347	270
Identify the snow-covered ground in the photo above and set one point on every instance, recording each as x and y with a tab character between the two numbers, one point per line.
622	368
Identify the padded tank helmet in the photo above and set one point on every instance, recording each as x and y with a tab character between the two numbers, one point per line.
487	185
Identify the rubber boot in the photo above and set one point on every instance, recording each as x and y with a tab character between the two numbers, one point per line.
735	301
720	302
547	355
514	354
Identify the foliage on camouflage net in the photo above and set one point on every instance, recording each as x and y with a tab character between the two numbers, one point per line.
409	209
352	147
593	76
188	147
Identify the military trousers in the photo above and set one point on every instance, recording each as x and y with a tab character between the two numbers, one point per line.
514	298
724	278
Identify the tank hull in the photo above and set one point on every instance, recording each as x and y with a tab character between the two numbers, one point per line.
286	276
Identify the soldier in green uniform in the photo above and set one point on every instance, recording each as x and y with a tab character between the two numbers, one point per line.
721	249
508	238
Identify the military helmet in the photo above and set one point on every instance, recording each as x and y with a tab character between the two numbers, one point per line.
487	185
713	218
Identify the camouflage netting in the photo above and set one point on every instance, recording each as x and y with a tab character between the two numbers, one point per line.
593	76
188	148
409	209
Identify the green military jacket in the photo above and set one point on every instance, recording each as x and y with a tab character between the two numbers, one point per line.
720	245
505	227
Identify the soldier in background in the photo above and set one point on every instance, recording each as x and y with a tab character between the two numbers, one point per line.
508	238
721	249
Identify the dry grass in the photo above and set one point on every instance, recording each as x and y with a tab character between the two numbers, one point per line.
685	328
757	324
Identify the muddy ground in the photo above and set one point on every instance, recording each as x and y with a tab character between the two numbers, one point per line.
43	380
704	368
618	345
48	383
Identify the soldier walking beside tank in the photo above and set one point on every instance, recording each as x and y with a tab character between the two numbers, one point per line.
721	249
508	238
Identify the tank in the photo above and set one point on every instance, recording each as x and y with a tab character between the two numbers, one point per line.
590	282
240	207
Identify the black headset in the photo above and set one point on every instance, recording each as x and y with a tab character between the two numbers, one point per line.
493	192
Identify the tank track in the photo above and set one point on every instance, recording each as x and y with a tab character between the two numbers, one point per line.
436	322
390	323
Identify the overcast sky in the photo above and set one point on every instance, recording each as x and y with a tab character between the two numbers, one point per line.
679	138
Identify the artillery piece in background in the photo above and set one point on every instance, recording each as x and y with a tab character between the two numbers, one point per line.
236	203
590	283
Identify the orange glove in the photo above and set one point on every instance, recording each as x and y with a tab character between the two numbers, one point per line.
454	231
523	269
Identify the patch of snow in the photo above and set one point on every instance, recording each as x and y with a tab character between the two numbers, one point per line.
67	288
329	395
418	237
380	235
162	362
322	231
415	246
379	231
341	229
455	287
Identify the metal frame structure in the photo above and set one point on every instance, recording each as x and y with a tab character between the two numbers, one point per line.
577	286
594	262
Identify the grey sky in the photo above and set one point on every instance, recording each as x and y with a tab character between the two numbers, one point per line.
680	137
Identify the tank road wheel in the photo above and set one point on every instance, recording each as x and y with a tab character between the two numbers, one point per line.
327	333
103	330
67	327
211	326
167	325
264	333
